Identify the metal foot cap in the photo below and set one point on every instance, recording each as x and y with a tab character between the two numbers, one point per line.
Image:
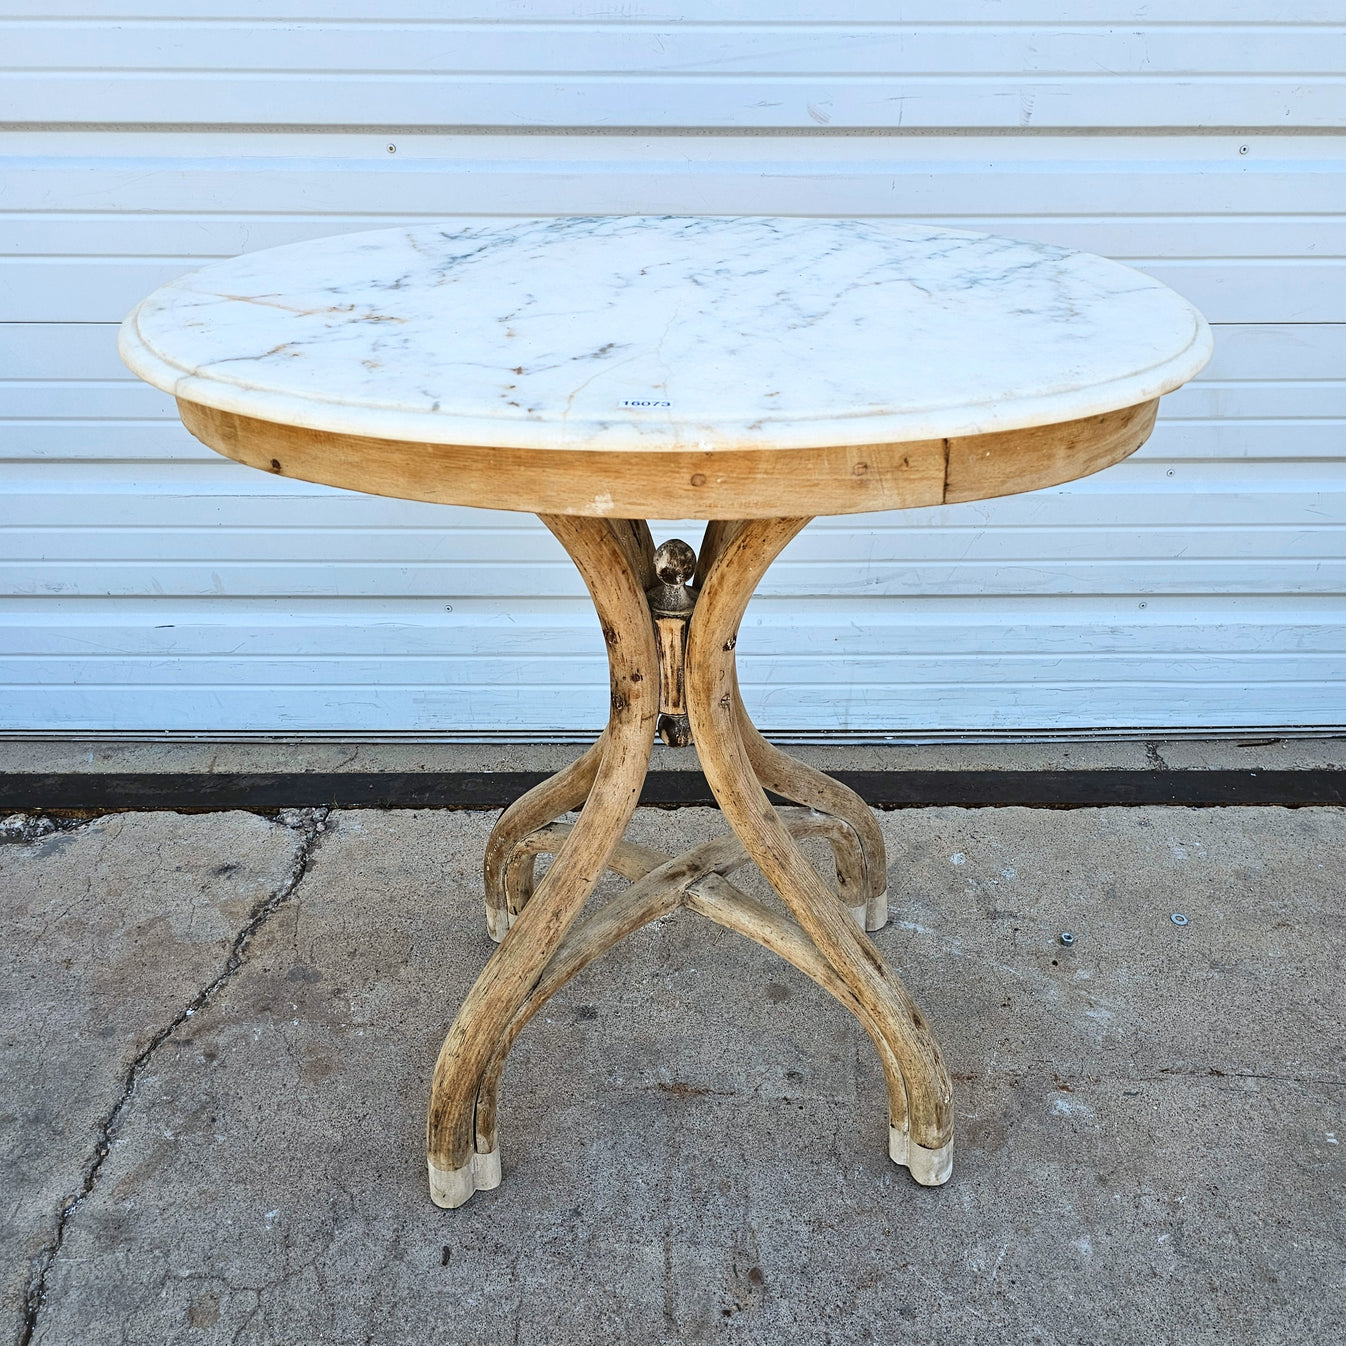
453	1187
498	922
876	912
931	1168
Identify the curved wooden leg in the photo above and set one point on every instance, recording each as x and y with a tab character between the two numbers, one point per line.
637	544
861	862
509	875
921	1133
603	556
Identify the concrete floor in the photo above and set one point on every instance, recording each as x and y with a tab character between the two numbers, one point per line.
219	1030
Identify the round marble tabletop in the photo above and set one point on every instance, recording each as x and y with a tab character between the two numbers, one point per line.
665	332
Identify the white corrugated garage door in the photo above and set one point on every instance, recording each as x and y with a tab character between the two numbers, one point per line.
152	586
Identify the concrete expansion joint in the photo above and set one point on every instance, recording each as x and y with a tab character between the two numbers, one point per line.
308	824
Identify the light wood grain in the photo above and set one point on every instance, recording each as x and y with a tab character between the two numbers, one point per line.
683	483
862	865
518	962
711	682
981	466
509	872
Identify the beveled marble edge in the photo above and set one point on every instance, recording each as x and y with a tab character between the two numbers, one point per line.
445	428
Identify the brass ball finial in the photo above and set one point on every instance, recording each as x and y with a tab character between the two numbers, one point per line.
674	561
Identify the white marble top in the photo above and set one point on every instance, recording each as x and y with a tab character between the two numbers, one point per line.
668	331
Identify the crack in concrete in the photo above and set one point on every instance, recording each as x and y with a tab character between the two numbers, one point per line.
310	824
1152	756
1212	1073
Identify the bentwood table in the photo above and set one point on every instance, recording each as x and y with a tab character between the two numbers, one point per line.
601	372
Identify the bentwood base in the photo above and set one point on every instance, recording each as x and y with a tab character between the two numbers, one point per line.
670	622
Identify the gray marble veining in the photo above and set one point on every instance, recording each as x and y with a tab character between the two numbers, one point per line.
653	332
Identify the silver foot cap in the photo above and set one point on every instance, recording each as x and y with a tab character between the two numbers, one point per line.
931	1168
498	922
876	912
487	1170
453	1187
